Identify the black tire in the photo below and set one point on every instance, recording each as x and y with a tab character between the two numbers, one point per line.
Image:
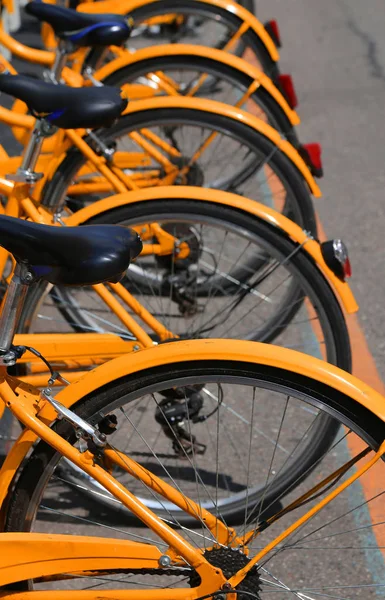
37	471
337	344
297	204
276	117
192	7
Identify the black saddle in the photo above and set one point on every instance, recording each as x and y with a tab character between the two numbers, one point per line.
82	29
71	255
66	107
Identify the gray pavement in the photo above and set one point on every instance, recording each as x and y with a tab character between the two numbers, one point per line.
335	50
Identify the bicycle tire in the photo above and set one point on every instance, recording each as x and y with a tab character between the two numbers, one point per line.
250	40
297	203
336	405
318	290
275	115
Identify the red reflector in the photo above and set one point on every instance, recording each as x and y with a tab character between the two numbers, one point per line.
273	31
347	268
314	151
287	88
312	156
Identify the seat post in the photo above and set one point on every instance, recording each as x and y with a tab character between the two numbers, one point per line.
26	173
12	305
63	49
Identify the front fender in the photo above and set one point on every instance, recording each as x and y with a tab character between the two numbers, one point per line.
194	350
261	211
125	7
226	58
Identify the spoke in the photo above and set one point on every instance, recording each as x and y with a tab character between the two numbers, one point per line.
249	461
138	422
241	418
189	460
341	472
91	522
194	462
325	537
320	459
170	300
211	284
335	520
282	587
267	487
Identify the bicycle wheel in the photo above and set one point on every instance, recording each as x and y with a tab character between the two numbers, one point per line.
193	22
238	158
309	562
223	83
243	278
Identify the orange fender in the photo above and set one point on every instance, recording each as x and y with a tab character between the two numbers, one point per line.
194	350
292	230
251	71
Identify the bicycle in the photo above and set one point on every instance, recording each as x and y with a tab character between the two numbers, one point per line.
259	556
212	73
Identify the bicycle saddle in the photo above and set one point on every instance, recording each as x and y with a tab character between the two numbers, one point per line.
66	107
82	29
71	255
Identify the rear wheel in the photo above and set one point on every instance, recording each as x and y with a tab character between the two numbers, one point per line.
207	149
195	22
250	463
200	76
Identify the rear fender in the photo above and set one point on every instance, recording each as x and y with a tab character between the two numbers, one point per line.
188	351
219	108
239	64
293	231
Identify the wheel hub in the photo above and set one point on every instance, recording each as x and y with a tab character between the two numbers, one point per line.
182	233
231	560
194	174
